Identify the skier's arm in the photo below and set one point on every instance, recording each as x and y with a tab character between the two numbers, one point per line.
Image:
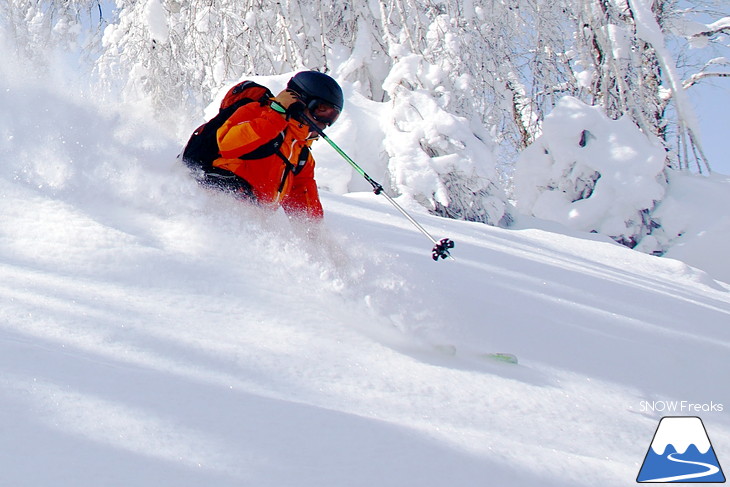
303	198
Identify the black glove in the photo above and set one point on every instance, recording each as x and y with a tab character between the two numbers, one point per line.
292	105
296	111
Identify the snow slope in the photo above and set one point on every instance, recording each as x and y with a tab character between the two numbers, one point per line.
154	334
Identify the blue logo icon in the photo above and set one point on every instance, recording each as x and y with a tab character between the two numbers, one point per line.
681	452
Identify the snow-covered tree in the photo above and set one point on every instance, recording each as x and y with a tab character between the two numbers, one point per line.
444	161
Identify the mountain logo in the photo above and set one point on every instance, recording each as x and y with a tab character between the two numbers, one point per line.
680	452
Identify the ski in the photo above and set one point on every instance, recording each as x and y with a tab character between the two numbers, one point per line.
504	357
508	358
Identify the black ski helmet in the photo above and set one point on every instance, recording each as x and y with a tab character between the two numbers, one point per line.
313	85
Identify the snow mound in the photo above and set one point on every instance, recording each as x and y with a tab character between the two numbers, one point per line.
591	173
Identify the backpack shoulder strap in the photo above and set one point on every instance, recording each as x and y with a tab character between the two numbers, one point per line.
268	149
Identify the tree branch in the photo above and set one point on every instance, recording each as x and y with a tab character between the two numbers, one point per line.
696	78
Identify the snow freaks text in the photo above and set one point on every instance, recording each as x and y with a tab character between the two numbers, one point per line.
680	407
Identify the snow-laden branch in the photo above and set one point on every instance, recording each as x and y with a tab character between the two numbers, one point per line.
711	64
696	78
722	26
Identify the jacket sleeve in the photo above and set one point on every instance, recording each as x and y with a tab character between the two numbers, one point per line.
248	128
303	198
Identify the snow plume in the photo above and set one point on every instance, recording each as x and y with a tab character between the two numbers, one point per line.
592	173
437	158
88	186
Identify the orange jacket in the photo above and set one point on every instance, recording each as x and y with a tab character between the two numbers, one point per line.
273	180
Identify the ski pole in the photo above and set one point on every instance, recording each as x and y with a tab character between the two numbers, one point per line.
440	247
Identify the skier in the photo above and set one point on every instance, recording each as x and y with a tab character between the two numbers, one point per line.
264	147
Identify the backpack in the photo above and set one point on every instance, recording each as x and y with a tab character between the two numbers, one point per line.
202	147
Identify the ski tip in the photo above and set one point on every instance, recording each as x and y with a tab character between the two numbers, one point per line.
452	351
508	358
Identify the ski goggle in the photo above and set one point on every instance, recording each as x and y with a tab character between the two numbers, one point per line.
323	112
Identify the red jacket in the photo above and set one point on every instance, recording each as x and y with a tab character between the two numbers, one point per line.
273	180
